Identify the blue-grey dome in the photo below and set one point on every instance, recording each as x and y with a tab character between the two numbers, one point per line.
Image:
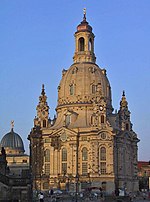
12	141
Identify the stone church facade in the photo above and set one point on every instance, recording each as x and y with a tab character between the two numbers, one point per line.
86	144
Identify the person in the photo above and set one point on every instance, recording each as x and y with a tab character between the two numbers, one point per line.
144	195
117	192
41	197
81	195
51	192
101	192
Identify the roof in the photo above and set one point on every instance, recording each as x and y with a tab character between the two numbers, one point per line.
143	163
12	141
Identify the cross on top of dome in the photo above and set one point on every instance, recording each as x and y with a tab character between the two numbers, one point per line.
84	12
12	124
84	25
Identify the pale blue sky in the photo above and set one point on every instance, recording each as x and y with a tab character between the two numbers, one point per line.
37	42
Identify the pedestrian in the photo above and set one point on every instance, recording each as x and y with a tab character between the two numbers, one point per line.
101	192
117	192
144	196
41	197
51	192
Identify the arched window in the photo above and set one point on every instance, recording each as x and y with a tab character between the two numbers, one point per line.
68	119
84	154
102	160
47	155
90	45
44	123
102	118
64	160
71	89
103	154
64	154
93	89
127	126
81	44
84	161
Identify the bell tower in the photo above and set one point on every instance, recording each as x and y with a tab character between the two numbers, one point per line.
84	43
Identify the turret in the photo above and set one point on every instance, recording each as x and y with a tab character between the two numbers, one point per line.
42	110
124	114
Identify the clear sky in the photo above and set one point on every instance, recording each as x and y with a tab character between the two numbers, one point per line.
37	42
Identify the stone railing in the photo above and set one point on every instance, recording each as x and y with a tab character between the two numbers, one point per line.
10	181
4	179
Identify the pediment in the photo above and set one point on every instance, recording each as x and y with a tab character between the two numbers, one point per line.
105	135
63	130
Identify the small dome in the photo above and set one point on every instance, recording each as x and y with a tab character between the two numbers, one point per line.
13	143
84	25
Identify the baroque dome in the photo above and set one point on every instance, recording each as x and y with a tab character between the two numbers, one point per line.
84	90
12	143
82	83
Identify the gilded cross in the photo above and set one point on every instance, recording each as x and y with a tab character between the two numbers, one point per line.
12	124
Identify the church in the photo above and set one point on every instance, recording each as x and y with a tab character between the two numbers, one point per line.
86	144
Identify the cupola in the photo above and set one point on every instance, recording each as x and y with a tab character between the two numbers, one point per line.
12	142
84	40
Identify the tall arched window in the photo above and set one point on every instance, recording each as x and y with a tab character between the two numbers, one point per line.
68	119
64	154
102	160
84	161
47	155
103	154
84	154
93	89
81	44
90	45
47	161
127	126
102	118
44	123
64	160
71	89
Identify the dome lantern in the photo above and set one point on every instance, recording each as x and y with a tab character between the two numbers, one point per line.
84	42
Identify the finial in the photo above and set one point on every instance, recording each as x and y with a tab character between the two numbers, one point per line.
84	12
43	90
123	102
12	124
